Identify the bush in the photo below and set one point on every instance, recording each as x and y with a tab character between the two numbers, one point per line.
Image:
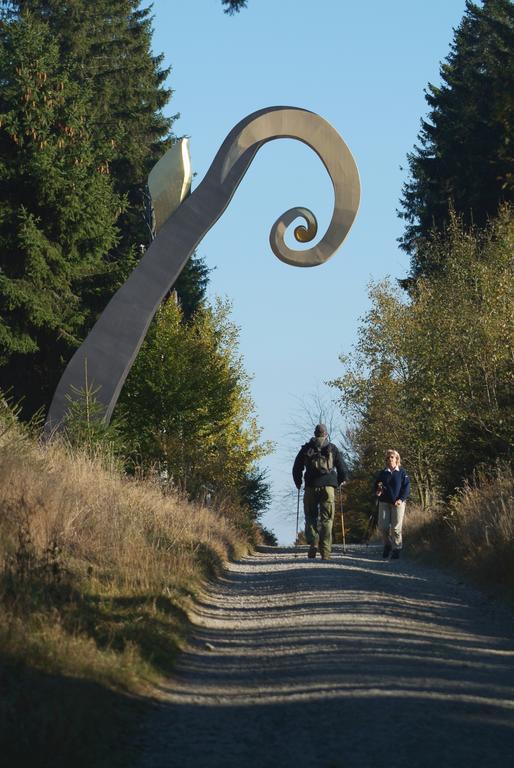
97	571
474	531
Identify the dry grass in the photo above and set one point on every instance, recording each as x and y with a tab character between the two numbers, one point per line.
104	523
98	571
474	532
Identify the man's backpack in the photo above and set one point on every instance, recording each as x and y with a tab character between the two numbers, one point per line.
319	460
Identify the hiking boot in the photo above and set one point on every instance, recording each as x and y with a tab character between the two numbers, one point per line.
312	552
387	551
396	554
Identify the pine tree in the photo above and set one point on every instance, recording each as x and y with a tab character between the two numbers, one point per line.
107	46
57	209
100	54
233	6
191	285
465	160
191	412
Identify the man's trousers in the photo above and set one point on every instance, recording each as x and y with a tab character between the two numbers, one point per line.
319	508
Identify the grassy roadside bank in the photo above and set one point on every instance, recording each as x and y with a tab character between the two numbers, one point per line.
98	572
473	534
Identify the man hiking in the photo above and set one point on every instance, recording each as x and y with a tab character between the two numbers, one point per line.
324	472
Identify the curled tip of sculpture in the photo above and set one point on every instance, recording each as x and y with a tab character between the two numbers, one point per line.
306	234
310	257
264	125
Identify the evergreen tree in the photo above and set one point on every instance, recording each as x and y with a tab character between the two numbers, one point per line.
57	209
255	491
191	285
107	109
233	6
190	408
465	159
106	44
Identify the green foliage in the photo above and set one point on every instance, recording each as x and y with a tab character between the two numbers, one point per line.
86	429
465	154
432	377
80	128
192	285
268	536
255	491
110	44
189	405
463	331
57	208
233	6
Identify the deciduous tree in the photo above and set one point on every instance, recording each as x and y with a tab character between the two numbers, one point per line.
432	376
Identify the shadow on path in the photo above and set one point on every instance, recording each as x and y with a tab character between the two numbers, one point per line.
350	662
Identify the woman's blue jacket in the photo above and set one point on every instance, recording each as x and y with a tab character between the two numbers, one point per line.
395	485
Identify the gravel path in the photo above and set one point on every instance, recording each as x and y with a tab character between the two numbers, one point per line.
349	662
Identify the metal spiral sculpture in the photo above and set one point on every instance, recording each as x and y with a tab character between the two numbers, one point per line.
111	347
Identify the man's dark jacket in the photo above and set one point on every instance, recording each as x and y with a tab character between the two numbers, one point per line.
314	479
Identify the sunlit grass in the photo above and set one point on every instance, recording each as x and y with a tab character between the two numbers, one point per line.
98	574
474	532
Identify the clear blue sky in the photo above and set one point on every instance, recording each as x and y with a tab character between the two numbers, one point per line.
361	66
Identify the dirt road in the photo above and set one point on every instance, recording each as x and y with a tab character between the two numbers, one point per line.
338	664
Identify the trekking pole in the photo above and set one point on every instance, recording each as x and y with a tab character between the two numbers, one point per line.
297	514
367	533
372	523
342	520
297	518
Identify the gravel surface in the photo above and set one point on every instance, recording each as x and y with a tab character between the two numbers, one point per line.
354	661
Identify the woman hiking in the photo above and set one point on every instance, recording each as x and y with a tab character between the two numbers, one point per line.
392	487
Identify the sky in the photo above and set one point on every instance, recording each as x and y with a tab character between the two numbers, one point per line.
361	66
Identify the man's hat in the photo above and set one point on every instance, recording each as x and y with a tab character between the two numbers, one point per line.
320	430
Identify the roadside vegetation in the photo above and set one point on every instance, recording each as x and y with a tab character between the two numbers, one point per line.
473	533
98	573
431	373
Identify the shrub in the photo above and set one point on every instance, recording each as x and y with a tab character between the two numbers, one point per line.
474	531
